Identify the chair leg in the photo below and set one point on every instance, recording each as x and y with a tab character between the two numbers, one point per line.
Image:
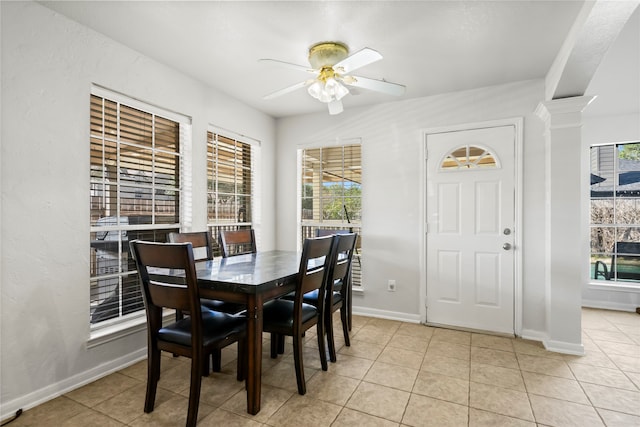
194	390
281	339
321	347
330	339
297	358
274	345
205	366
153	375
241	367
216	360
346	326
158	364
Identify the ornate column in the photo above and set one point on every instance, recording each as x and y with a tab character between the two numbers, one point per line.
566	219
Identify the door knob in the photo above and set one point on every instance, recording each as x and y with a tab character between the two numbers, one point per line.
506	246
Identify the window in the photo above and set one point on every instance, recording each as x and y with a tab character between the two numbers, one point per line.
231	185
468	157
331	194
615	213
135	193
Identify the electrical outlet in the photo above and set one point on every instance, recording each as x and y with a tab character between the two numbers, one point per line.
391	286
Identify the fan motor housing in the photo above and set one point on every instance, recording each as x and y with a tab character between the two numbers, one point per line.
327	54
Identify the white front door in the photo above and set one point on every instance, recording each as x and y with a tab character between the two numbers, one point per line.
470	218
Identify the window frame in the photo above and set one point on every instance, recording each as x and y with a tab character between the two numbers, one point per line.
216	225
180	162
612	283
306	228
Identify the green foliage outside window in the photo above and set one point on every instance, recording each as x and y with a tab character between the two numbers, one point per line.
630	152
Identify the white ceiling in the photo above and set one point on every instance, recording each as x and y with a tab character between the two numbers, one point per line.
431	46
616	83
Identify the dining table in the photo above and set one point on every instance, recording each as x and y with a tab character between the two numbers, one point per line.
251	279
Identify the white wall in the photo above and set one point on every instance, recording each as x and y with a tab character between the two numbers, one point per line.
392	213
48	66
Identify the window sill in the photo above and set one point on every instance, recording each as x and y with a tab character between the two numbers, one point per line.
114	332
613	286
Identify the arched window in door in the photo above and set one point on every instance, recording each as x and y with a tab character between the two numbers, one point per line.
469	157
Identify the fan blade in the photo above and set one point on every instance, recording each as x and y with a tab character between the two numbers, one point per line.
288	65
359	59
377	85
288	89
335	107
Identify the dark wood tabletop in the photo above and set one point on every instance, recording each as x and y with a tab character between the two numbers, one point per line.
249	273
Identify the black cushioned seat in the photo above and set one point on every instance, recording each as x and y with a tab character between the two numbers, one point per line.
216	327
280	313
312	297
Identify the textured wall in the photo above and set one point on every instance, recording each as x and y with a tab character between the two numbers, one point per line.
48	66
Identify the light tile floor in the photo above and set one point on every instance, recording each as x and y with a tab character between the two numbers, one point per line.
393	374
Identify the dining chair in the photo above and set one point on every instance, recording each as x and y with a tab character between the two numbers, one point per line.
347	295
336	293
237	242
195	336
201	242
284	317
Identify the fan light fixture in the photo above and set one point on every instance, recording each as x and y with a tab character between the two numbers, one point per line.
332	66
323	56
327	90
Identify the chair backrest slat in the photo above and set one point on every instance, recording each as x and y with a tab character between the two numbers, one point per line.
158	294
321	232
200	240
237	242
169	295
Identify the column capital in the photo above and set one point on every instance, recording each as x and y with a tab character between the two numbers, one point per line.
560	113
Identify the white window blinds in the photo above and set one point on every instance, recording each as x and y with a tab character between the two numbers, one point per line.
232	185
136	192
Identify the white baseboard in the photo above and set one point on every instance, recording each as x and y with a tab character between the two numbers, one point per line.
384	314
550	345
609	305
533	335
564	347
52	391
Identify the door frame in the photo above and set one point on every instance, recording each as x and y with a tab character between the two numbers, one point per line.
517	122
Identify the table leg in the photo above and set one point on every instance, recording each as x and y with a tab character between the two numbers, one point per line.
254	349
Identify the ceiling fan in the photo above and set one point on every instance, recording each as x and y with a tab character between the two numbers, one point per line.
332	66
